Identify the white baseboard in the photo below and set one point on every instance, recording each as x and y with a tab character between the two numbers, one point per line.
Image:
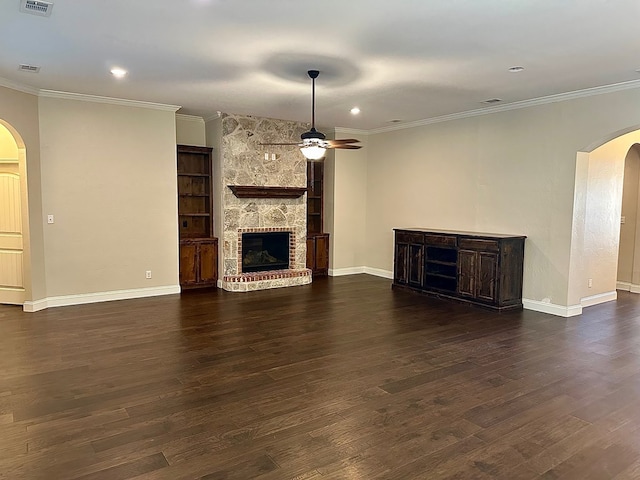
571	310
628	287
378	272
80	299
345	271
624	286
599	298
552	308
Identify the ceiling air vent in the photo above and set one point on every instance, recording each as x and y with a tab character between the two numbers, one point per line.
36	7
23	67
491	101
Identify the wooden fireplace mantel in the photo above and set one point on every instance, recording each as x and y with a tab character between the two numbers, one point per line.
252	191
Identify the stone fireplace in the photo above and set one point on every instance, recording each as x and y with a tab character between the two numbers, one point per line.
251	215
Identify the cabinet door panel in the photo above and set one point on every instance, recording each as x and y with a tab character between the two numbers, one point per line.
208	262
188	265
416	264
322	253
467	273
311	253
487	268
400	264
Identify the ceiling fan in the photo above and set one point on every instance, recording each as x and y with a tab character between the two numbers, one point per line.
314	143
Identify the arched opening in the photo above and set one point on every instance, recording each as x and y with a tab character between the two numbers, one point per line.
597	215
629	251
15	271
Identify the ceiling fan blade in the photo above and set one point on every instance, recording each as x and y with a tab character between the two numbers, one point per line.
342	141
297	143
345	147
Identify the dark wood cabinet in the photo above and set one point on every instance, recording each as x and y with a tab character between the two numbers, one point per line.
401	263
484	269
409	266
317	240
198	262
477	275
315	196
318	253
198	246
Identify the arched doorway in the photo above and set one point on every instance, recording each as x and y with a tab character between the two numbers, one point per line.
596	229
629	251
14	268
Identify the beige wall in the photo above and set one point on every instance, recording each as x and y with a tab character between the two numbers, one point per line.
626	270
510	172
19	113
190	130
109	178
346	195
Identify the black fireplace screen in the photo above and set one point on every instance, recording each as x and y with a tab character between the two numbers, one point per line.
265	251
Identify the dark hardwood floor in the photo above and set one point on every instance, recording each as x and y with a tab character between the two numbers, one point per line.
340	379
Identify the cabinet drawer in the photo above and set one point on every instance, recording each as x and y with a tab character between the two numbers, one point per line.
402	237
479	244
410	237
445	240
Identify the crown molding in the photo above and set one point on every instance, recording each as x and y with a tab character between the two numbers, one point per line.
189	118
109	100
16	86
352	131
587	92
87	98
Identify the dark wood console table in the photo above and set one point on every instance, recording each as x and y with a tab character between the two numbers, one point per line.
479	268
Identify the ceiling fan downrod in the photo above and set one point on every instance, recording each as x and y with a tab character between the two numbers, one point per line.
313	74
313	133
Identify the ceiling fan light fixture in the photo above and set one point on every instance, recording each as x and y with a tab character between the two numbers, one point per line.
314	143
313	149
313	152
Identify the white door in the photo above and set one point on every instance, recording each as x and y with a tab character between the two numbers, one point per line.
11	246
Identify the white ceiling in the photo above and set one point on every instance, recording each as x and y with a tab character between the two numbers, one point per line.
405	60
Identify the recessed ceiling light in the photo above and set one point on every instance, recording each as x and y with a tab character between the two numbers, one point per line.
118	72
516	69
355	111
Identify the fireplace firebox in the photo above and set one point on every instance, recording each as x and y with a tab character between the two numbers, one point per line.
265	251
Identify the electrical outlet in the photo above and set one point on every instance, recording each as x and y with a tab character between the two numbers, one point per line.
622	219
49	218
590	282
147	274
